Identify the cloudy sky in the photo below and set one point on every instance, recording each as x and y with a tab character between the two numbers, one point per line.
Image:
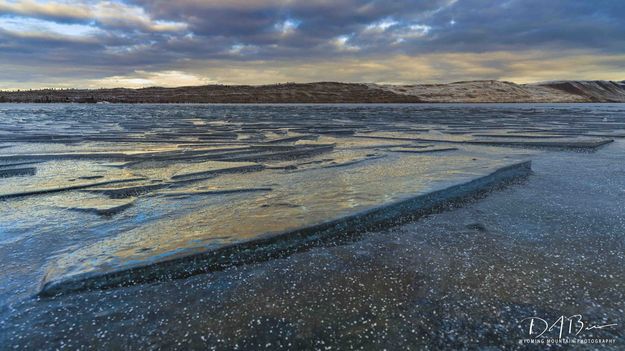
83	43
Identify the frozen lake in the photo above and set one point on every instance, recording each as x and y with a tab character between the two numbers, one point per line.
94	190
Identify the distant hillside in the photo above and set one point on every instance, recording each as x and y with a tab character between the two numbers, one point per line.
331	92
596	90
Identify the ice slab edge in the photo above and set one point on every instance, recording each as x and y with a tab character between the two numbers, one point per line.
276	245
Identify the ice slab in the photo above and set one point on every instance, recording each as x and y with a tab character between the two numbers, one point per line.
560	143
60	188
550	142
201	191
422	150
224	168
329	204
95	205
17	172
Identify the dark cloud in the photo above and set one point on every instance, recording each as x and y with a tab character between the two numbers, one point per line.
521	24
109	38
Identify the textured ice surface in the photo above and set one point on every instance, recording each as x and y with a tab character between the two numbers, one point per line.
175	180
315	197
462	278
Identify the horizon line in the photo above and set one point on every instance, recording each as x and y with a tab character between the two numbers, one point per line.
14	90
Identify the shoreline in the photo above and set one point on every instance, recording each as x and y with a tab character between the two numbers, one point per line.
336	92
487	103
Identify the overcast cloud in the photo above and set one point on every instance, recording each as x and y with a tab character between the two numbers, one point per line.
141	43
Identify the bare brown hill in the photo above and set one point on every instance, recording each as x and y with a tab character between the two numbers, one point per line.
332	92
597	91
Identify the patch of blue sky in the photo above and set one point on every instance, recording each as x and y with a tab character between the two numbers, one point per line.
25	25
